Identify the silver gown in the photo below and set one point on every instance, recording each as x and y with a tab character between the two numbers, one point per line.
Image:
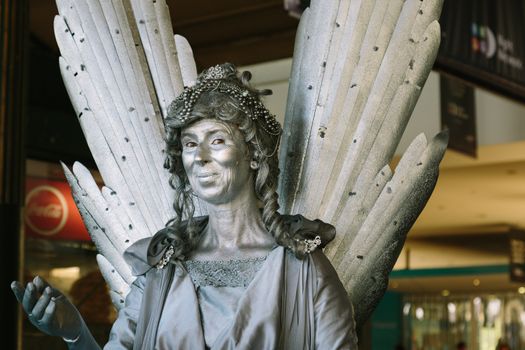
287	304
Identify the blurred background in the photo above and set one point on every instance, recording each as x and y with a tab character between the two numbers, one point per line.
461	275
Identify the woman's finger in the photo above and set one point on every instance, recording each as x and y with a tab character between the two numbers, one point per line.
18	290
30	298
45	284
39	284
49	313
42	303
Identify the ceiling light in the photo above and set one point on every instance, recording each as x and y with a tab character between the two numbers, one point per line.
406	309
476	282
420	313
521	290
66	272
494	307
451	312
445	292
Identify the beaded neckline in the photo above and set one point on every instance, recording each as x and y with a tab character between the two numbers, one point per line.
224	273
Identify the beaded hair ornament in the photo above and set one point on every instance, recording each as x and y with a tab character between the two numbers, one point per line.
222	79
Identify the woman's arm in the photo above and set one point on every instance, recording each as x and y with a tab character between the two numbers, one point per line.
334	319
52	313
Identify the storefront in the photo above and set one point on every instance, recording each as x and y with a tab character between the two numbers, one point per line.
431	309
482	321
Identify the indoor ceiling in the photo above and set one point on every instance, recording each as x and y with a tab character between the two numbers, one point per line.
477	196
238	31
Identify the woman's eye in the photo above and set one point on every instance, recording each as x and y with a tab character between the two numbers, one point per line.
217	142
190	144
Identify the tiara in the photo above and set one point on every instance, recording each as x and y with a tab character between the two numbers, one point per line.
223	79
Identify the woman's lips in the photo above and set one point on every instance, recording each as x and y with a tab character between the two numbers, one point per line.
206	176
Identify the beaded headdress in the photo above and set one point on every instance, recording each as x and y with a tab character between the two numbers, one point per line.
223	79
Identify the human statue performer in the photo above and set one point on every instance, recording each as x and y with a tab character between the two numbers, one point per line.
243	277
235	245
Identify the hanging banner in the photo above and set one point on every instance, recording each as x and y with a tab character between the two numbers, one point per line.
458	115
517	256
51	212
483	41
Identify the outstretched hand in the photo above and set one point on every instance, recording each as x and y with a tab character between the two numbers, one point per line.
48	309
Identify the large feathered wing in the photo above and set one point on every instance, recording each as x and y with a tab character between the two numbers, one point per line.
358	69
122	67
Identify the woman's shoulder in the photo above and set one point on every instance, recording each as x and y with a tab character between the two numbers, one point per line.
136	256
321	275
316	262
147	252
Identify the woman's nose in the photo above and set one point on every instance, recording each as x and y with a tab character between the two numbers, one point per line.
202	154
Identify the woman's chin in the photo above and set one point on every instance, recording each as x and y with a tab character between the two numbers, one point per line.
212	196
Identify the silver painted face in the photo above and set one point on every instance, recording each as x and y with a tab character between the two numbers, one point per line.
216	160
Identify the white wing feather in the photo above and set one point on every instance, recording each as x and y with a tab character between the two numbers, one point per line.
186	61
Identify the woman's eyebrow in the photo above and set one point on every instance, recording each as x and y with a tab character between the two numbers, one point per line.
186	134
206	133
217	131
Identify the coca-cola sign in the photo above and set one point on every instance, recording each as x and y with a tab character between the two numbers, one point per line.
51	212
46	210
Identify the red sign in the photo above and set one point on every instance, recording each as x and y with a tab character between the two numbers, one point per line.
51	211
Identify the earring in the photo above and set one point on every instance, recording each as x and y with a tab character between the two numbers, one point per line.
254	165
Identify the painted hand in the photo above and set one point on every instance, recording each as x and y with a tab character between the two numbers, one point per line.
48	309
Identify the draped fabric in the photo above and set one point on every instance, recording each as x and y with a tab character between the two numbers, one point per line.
290	304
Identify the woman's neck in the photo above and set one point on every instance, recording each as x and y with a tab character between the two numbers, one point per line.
235	224
235	230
